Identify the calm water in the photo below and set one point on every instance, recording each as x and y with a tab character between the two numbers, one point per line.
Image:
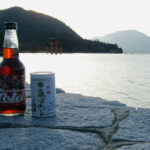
120	77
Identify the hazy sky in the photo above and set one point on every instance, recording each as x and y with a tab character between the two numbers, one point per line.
91	18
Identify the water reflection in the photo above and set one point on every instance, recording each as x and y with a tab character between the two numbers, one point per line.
113	77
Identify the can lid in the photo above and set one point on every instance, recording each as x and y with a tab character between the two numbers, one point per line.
10	25
41	73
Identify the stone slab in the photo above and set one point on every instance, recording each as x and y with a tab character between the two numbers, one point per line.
144	146
70	112
136	127
79	100
76	126
42	139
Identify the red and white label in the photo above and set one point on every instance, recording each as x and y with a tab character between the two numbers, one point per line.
12	89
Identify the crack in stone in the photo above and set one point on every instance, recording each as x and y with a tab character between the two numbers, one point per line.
118	144
105	133
110	144
90	107
95	130
108	132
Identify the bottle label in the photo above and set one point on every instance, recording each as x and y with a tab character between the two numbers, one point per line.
10	39
12	89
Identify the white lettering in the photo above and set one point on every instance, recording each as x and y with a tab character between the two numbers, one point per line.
12	99
5	98
1	94
19	98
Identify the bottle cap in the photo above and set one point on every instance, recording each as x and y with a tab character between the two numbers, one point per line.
10	25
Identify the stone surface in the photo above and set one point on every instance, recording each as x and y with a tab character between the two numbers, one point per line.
143	146
70	112
86	101
75	126
136	127
42	139
82	123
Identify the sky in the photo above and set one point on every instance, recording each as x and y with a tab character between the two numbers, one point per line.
90	18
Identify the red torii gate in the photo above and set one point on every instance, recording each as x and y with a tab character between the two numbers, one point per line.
53	46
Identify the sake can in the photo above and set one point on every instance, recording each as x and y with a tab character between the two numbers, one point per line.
43	94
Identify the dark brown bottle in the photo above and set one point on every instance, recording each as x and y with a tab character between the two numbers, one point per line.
12	75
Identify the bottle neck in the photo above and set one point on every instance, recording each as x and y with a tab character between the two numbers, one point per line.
10	53
10	45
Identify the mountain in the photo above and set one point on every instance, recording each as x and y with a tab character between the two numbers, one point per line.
131	41
35	30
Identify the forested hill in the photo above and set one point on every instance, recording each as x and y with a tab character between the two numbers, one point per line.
35	30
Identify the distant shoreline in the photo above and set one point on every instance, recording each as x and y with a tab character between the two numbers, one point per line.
1	54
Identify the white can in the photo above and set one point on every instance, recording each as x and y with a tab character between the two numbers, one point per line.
43	94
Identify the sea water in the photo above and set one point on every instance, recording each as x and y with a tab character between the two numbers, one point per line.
113	77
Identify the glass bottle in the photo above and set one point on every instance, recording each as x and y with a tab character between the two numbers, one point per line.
12	75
